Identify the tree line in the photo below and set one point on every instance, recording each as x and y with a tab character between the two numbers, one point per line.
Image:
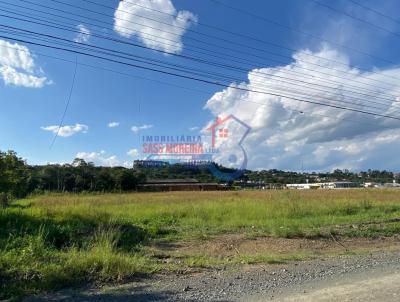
18	179
274	176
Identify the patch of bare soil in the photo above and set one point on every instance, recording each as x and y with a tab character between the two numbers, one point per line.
233	244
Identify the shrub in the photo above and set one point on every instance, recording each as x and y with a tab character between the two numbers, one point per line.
4	200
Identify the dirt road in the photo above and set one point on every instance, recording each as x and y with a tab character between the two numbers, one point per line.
385	287
372	277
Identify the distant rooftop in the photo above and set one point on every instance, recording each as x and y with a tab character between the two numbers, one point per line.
172	181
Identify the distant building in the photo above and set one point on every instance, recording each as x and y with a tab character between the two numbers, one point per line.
340	185
324	185
391	185
257	185
163	185
303	186
149	163
372	185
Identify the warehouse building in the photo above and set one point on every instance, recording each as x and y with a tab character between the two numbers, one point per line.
163	185
324	185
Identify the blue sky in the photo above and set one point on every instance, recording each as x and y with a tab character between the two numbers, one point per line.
100	97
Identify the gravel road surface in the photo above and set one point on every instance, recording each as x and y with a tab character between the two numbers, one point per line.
371	277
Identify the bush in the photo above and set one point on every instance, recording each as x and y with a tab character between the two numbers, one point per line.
42	253
4	200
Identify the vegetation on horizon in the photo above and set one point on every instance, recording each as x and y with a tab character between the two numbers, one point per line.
18	179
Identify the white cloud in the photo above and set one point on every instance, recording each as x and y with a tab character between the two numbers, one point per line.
193	128
320	137
166	36
67	131
133	153
136	129
84	34
127	164
113	124
12	77
99	158
17	66
102	159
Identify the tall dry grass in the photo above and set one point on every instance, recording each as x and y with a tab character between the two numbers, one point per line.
274	213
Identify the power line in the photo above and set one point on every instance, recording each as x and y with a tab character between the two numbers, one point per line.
196	73
144	78
391	100
120	54
203	80
200	33
300	31
67	104
208	43
103	68
374	11
192	89
235	33
275	75
183	70
355	18
291	71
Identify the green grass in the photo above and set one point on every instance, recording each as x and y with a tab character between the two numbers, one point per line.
58	240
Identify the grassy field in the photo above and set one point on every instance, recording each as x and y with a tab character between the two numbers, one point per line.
52	241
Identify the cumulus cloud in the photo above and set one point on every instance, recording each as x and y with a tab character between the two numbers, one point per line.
286	132
133	153
99	158
18	68
136	129
113	124
13	77
165	33
84	34
102	159
67	131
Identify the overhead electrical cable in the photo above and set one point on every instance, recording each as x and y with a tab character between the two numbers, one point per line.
214	63
341	12
97	67
375	11
66	105
355	88
188	29
200	79
185	69
288	57
219	39
246	12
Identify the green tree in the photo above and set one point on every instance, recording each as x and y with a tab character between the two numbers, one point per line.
14	175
